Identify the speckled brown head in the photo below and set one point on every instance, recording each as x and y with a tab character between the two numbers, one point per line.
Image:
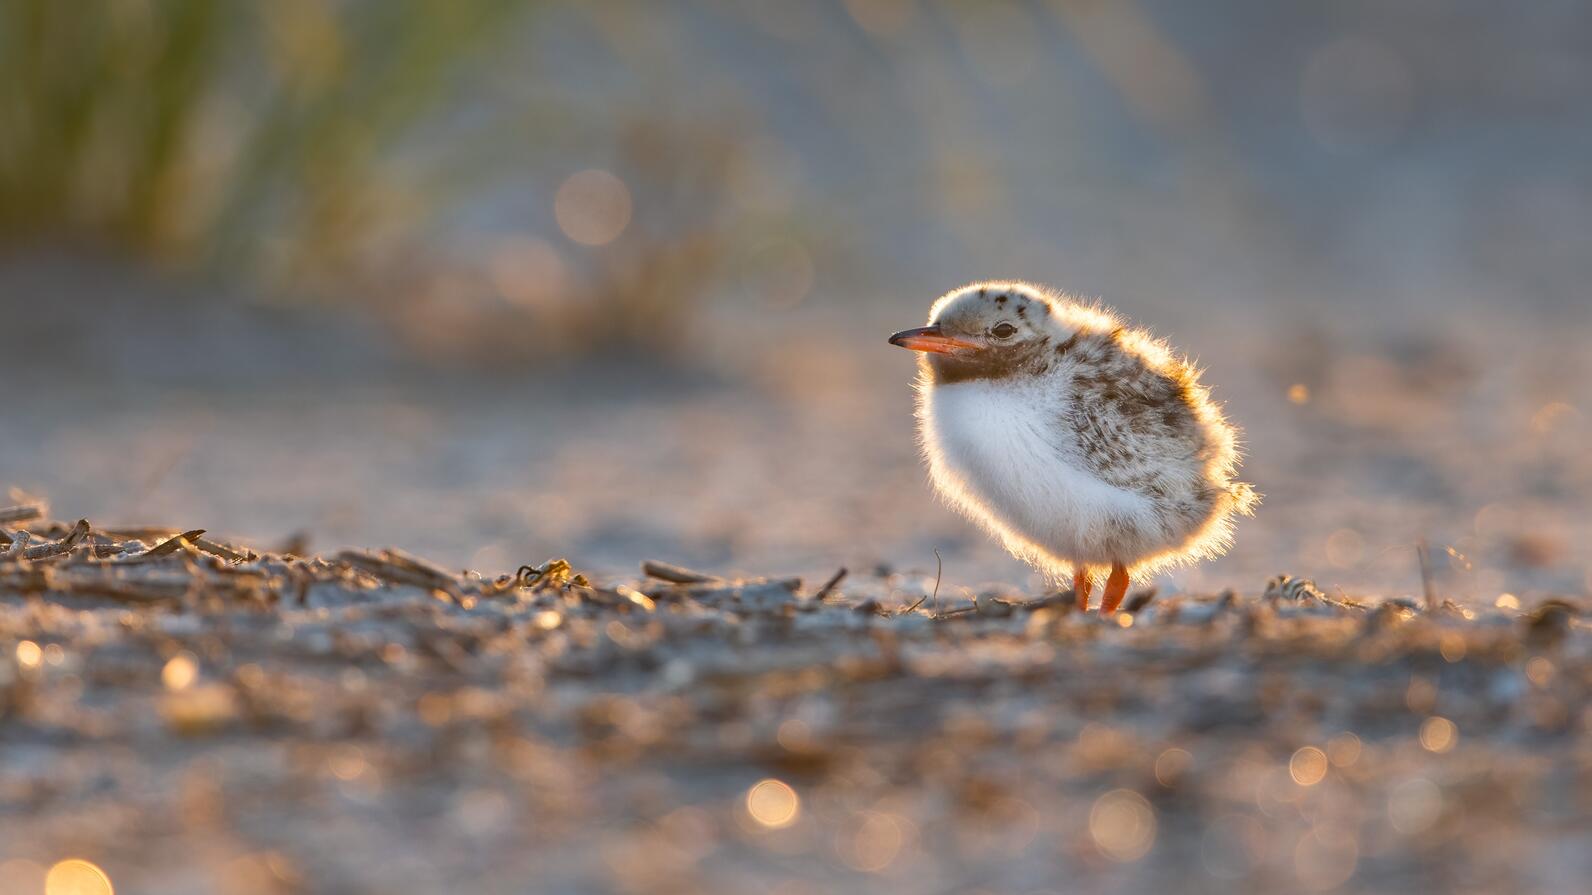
996	330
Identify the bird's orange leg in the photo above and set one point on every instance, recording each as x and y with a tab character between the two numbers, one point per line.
1116	589
1081	585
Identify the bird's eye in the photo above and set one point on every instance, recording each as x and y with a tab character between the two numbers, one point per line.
1003	331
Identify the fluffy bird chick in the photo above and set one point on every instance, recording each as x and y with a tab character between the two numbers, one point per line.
1086	446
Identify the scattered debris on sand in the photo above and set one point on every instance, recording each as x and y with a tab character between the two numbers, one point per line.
194	716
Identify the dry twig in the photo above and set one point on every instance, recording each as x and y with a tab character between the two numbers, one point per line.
59	548
1424	555
831	584
675	574
222	550
23	513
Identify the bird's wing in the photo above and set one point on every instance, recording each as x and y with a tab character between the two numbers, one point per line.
1136	428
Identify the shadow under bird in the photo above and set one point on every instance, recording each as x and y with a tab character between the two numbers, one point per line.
1086	446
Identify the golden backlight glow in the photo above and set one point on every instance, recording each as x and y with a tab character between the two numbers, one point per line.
75	876
773	804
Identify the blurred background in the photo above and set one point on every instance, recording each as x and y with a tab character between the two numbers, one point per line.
495	281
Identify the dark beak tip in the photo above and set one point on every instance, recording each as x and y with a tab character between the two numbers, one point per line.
901	338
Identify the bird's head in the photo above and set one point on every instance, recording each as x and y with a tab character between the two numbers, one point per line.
994	330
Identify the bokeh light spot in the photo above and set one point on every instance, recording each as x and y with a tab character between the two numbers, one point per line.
1414	805
434	709
592	207
1438	734
1171	765
1421	695
1323	864
1539	671
1308	766
75	876
1546	420
29	655
1343	750
794	735
773	804
1122	824
347	762
179	672
1494	520
1299	393
876	843
527	271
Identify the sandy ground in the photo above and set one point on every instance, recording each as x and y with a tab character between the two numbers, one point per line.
356	737
368	723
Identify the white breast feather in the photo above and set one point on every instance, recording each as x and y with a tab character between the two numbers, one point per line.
1009	465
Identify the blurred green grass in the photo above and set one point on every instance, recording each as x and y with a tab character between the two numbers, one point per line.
252	135
322	153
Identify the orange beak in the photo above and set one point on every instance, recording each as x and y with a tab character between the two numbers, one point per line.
931	339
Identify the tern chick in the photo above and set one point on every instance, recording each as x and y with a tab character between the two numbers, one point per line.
1084	445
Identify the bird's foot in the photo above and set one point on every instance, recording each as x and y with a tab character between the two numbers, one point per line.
1081	585
1116	589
